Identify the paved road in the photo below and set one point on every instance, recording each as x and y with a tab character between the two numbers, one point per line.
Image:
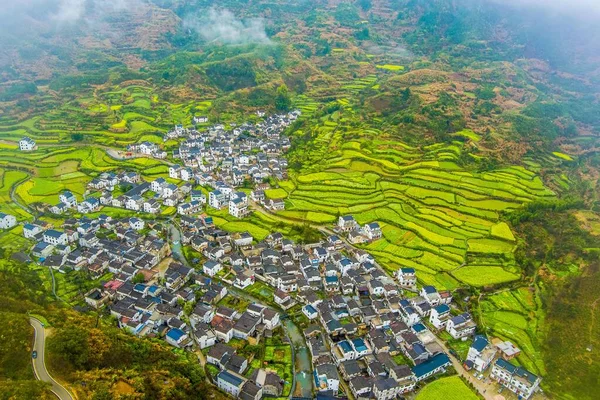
39	366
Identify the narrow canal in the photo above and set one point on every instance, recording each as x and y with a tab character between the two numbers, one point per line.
303	384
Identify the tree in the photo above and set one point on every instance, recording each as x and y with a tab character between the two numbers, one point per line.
365	4
77	137
283	101
138	278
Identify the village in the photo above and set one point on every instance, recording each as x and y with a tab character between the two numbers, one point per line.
370	335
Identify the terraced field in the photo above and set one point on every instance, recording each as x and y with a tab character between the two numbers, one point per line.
53	169
517	315
435	215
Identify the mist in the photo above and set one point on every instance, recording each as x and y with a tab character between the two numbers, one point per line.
582	8
222	25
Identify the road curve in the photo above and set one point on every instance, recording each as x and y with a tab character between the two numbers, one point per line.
39	366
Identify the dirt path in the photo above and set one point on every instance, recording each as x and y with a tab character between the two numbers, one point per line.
593	319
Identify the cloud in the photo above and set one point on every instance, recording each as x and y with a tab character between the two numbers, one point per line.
221	25
581	8
69	11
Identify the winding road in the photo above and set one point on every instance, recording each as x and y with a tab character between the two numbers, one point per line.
39	365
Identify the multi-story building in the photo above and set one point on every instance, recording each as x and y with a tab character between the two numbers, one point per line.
7	221
517	379
407	277
481	354
27	144
461	326
439	316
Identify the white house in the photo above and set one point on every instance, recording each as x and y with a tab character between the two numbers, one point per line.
230	382
205	337
30	230
151	206
55	237
346	223
238	204
68	199
517	379
310	312
7	221
197	195
327	378
439	316
176	337
216	199
271	319
200	119
407	277
431	294
136	223
88	205
174	171
372	231
157	185
211	268
27	144
385	389
461	326
481	354
186	174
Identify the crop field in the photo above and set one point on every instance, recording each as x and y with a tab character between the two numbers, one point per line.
517	316
54	169
449	388
8	179
436	216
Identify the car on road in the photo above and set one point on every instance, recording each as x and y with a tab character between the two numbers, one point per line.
34	354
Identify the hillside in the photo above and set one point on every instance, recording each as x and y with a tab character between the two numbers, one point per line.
469	130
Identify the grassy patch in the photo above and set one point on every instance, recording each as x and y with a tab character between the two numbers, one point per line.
449	388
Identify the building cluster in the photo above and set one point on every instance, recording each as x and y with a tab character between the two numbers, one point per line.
354	335
149	149
355	233
98	246
232	156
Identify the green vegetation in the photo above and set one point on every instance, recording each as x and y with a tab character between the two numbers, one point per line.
449	388
478	160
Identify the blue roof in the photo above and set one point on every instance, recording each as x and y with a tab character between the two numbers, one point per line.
430	365
359	344
229	378
28	226
310	309
331	279
479	343
175	334
345	346
442	308
53	233
506	365
429	289
40	246
419	348
139	287
408	270
419	328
